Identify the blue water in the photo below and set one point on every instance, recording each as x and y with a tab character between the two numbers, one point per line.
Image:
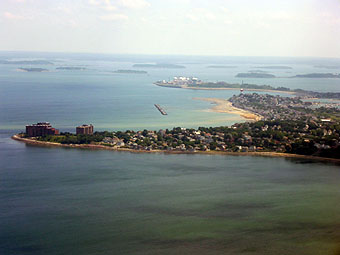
109	101
68	201
126	101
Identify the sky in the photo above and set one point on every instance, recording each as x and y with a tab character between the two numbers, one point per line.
308	28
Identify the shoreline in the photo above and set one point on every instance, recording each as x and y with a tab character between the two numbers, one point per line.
224	106
225	153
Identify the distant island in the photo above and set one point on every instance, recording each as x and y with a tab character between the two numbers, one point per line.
255	75
169	66
71	68
317	75
32	69
26	62
222	67
274	67
127	71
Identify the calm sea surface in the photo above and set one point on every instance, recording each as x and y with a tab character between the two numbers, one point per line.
67	201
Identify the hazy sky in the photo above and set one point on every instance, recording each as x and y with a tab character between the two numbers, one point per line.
190	27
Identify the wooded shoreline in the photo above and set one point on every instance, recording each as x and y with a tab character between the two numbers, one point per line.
103	147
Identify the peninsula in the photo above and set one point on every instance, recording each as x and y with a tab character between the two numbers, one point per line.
195	83
288	127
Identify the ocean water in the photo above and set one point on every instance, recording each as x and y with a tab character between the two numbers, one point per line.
68	201
126	101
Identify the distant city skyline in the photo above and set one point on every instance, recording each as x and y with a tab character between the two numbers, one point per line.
304	28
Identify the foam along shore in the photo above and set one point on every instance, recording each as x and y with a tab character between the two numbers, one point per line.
103	147
224	106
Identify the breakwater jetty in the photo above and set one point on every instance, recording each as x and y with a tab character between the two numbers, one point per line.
160	109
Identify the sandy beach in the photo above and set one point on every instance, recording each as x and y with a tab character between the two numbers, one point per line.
103	147
224	106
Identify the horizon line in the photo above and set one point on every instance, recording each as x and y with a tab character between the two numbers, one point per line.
160	54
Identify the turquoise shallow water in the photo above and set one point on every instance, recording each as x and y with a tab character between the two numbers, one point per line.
67	201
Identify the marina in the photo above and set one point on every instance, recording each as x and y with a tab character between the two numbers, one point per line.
160	109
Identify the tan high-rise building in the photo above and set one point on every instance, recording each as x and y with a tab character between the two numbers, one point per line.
84	130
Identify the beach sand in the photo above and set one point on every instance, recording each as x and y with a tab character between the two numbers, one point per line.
224	106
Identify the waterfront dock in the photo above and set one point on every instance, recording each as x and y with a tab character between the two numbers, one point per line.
160	109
